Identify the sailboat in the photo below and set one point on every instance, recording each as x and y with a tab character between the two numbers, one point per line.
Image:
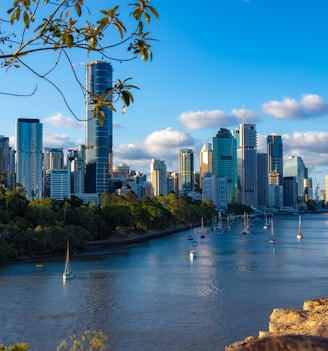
299	235
246	228
68	273
266	223
202	234
192	253
271	239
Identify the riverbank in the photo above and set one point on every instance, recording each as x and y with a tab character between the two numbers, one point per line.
119	239
127	237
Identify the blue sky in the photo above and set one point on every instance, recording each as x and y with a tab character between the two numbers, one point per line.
211	58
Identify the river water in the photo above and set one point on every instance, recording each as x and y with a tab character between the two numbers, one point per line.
151	296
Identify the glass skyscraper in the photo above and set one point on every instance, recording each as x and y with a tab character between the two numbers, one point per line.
5	153
275	159
186	171
225	161
28	145
99	136
205	161
294	167
247	165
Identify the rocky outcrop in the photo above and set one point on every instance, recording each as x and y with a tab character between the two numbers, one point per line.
292	329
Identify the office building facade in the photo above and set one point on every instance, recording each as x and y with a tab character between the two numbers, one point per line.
28	163
247	165
186	172
294	167
275	159
225	161
262	177
99	133
205	162
158	177
5	158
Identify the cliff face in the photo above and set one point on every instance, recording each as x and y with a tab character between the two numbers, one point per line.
292	329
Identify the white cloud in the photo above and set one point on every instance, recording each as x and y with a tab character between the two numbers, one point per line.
309	106
58	141
161	144
215	118
60	121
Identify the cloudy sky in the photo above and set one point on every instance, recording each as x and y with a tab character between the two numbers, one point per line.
211	59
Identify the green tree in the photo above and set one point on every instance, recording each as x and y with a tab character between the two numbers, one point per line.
63	27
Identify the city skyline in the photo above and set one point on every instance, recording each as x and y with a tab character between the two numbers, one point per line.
271	57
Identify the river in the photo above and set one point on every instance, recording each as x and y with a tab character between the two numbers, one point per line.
151	296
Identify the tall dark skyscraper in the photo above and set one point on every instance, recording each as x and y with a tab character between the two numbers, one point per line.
247	164
99	137
275	159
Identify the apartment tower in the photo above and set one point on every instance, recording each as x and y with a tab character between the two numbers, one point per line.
158	177
28	166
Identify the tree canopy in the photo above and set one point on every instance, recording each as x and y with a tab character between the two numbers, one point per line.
31	27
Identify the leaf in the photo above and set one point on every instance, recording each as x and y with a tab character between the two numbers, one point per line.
78	9
26	19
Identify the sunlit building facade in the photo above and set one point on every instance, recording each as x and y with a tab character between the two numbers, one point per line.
225	161
28	163
158	177
205	162
186	172
294	167
99	132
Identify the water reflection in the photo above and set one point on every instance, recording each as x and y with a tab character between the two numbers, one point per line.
152	296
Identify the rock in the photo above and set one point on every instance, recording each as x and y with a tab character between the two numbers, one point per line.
292	329
282	343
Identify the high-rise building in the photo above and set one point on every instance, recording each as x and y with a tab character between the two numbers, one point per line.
205	162
28	145
262	178
275	159
294	167
290	191
99	132
158	178
76	167
186	171
247	165
225	161
5	153
53	158
58	181
215	189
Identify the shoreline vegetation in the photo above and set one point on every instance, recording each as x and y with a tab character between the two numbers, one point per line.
121	238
